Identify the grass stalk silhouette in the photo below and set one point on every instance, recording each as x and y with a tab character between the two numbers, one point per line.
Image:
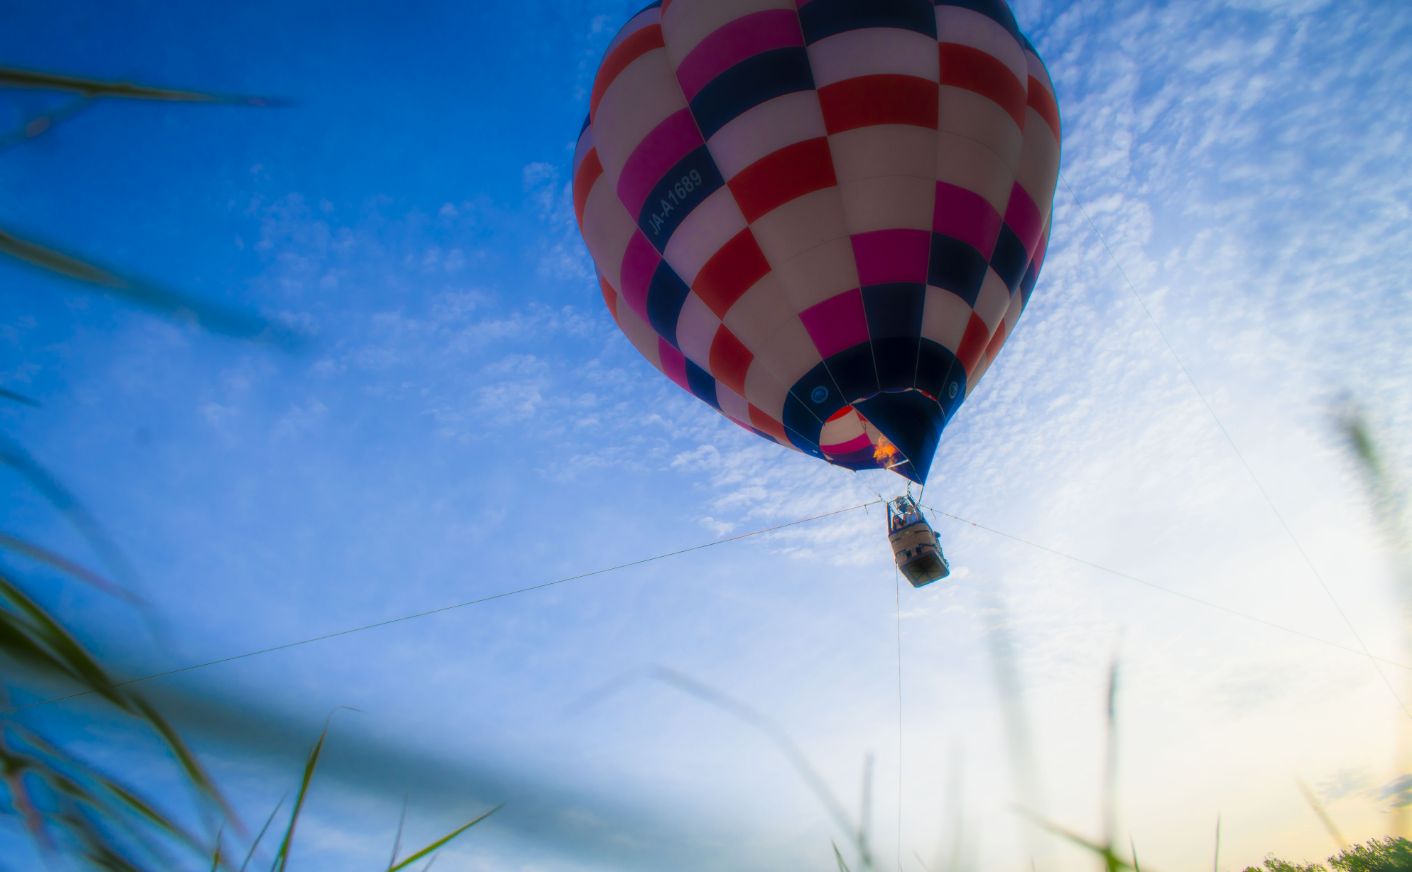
68	805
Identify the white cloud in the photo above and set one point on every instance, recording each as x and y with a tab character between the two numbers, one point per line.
300	420
564	256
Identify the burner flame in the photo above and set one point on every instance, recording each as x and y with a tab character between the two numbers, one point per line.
885	453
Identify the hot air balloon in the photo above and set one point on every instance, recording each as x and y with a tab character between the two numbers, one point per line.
821	217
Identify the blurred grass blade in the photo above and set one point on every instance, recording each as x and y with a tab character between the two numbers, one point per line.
85	814
18	643
1009	686
12	769
1360	440
59	262
63	649
956	791
49	487
437	845
842	866
101	850
1110	773
195	772
1133	844
85	795
1323	815
38	125
865	814
64	565
1104	853
16	78
1216	861
261	835
216	857
18	398
145	810
282	858
1388	492
778	736
65	654
219	319
397	840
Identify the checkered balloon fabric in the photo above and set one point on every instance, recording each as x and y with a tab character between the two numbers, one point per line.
821	217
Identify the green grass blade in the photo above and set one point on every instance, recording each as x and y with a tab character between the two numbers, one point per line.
63	648
16	78
168	303
195	772
17	642
88	787
439	843
216	857
282	858
397	840
147	812
64	565
1137	867
66	654
81	819
261	835
1103	852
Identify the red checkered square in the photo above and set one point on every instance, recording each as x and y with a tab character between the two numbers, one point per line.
765	424
886	99
973	343
731	272
784	175
730	360
963	66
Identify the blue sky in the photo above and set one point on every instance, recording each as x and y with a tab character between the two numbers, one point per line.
464	419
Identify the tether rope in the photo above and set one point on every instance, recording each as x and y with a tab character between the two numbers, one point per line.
1230	440
897	600
730	539
1171	591
429	612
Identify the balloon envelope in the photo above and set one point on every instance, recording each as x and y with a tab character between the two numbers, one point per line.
821	217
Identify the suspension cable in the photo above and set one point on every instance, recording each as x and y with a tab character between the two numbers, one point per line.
436	611
1171	591
897	602
1230	440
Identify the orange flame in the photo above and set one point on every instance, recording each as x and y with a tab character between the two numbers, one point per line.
884	452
